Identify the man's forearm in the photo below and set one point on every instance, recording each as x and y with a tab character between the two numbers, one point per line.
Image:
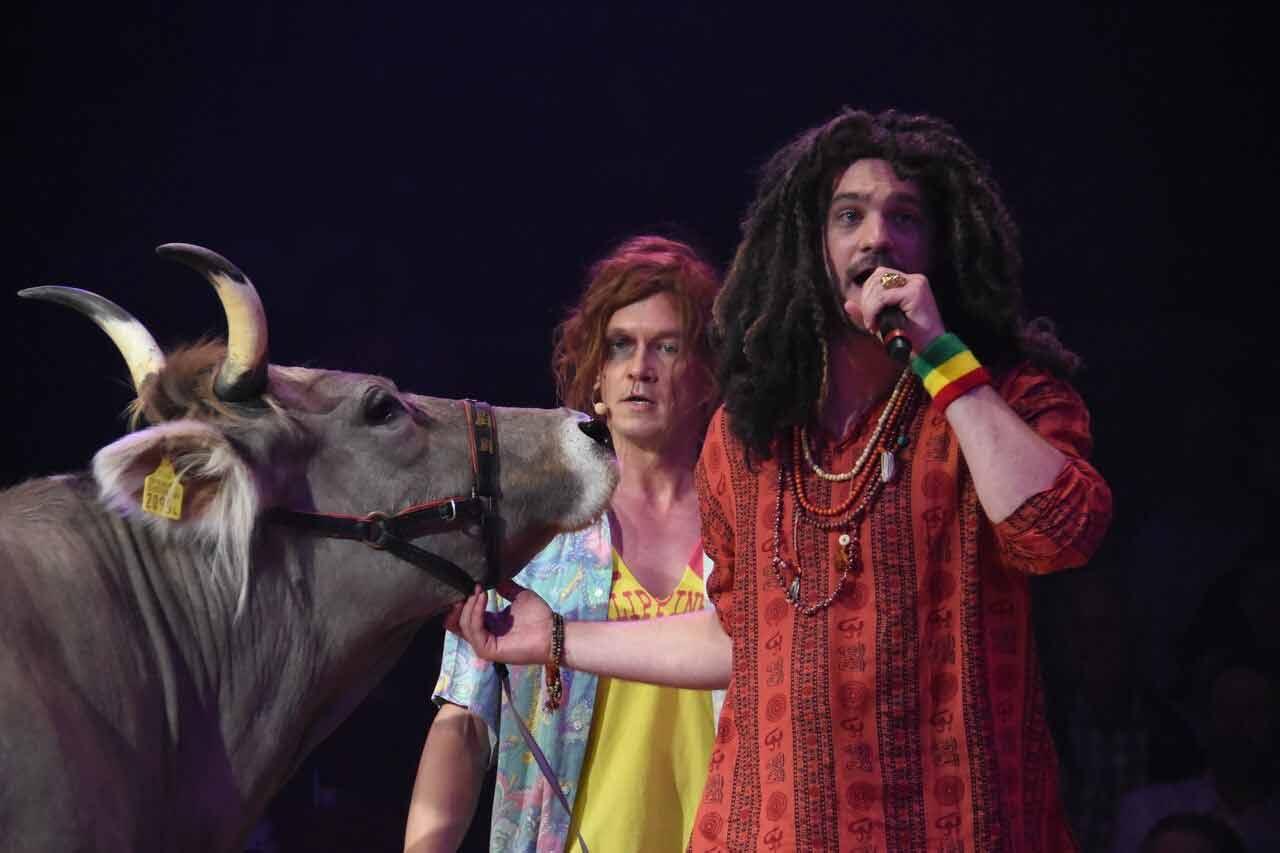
689	650
1010	462
447	788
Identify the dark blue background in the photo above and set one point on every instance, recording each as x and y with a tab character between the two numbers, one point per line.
417	190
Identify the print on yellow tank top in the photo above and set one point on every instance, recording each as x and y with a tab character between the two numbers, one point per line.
649	746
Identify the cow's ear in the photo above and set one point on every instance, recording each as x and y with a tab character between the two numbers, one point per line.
182	474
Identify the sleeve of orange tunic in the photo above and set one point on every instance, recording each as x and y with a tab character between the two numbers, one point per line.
1061	527
715	506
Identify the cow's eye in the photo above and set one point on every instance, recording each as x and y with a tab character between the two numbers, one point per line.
381	407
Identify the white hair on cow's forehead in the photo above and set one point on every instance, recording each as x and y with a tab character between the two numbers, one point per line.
197	452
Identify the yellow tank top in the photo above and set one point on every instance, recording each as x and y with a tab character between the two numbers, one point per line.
649	746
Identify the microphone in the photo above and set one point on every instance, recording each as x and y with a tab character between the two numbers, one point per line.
890	322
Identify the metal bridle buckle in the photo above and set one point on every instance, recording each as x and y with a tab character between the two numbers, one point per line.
376	533
452	512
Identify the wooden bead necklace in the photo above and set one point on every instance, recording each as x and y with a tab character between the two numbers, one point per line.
866	452
903	394
891	435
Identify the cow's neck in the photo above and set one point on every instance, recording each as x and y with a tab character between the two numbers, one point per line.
245	697
164	620
309	646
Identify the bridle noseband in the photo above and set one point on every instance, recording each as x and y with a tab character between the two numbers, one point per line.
392	533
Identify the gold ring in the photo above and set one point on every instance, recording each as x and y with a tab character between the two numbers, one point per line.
890	280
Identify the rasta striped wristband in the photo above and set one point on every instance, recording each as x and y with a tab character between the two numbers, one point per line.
948	369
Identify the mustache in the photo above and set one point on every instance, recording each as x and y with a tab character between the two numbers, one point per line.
858	271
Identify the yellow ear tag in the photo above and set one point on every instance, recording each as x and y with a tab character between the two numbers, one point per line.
162	492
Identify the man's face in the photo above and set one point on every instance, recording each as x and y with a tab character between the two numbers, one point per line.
646	380
876	220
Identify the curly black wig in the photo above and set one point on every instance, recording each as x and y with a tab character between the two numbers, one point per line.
779	301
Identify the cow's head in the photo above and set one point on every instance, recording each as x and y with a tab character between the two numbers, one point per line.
243	438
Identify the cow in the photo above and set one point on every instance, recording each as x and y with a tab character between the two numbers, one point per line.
182	624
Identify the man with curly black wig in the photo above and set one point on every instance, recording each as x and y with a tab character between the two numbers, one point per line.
876	524
873	525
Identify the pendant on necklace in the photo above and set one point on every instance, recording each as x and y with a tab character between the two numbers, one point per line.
888	465
793	591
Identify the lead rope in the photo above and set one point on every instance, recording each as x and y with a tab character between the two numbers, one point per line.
538	755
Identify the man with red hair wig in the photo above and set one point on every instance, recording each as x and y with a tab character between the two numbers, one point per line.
631	758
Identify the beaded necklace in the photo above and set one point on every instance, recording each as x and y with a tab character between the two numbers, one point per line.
891	436
866	451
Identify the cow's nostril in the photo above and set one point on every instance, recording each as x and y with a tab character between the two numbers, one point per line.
597	431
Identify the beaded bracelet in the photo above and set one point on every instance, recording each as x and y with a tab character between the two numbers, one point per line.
551	672
948	369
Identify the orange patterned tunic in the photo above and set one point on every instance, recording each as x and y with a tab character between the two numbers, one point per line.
909	715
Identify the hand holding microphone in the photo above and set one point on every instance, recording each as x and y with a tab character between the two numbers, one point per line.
910	318
891	322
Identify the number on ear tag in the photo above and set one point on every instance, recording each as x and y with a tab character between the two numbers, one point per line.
162	492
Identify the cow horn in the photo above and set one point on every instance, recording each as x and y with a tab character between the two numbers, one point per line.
243	374
144	357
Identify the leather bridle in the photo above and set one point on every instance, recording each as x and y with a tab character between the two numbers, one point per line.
392	533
